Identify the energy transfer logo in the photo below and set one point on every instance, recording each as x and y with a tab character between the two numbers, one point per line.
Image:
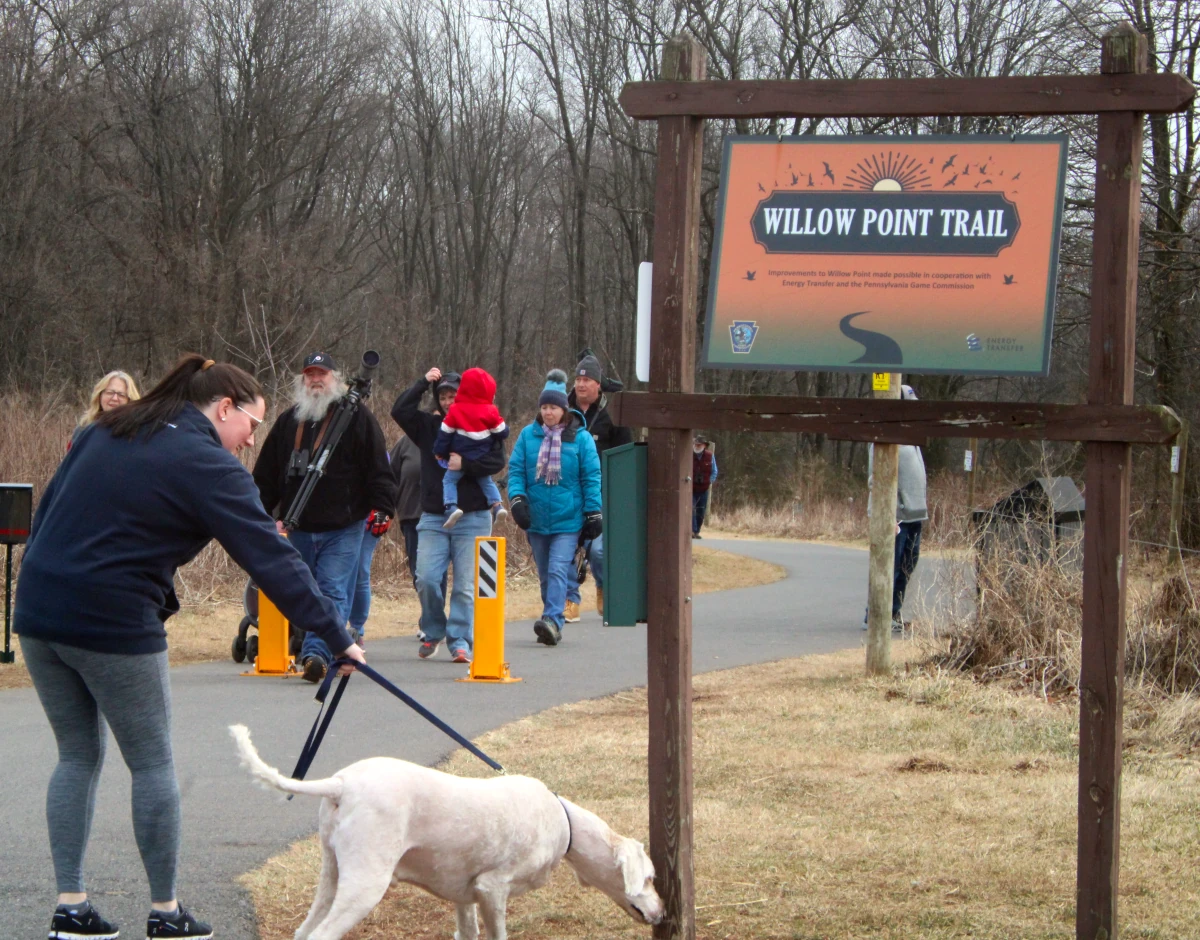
973	343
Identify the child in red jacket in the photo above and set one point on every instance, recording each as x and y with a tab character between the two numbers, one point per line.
469	428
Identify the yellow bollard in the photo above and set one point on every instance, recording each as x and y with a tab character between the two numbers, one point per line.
488	663
273	657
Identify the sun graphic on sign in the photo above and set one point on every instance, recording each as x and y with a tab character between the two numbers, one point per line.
888	173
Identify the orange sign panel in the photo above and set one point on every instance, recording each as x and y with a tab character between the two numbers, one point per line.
897	254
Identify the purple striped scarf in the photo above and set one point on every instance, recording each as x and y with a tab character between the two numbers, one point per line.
549	459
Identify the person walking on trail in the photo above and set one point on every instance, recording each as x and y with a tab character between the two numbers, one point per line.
358	485
911	512
406	468
554	495
704	475
360	592
589	398
138	496
439	547
471	426
112	391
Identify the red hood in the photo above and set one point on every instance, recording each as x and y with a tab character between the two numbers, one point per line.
477	388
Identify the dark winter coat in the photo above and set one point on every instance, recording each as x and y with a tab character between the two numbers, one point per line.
422	427
120	516
600	424
357	478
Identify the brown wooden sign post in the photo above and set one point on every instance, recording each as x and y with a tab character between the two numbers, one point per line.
1108	423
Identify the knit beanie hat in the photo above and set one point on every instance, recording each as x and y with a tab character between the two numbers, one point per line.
589	366
555	392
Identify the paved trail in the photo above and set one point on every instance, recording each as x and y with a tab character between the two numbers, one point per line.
230	827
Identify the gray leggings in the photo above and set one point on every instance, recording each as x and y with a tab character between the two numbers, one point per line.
80	691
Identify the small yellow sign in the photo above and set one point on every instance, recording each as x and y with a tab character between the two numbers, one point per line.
881	381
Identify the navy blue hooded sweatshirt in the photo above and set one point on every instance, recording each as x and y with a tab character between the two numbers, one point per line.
120	516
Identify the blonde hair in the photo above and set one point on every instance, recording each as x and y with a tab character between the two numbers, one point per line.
93	408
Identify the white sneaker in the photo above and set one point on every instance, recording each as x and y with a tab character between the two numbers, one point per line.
452	519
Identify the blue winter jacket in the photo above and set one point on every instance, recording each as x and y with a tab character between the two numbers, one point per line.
120	516
560	508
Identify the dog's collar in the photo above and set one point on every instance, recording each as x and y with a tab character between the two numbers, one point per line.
570	833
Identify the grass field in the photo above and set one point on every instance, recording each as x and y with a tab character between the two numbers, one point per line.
923	806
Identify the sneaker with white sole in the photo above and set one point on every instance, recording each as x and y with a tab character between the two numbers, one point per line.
428	648
452	519
460	656
499	513
81	922
180	923
571	612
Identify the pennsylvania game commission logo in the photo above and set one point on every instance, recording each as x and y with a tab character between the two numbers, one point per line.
742	333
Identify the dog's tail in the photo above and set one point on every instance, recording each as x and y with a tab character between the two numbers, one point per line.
269	776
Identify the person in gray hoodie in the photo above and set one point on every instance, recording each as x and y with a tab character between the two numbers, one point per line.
911	512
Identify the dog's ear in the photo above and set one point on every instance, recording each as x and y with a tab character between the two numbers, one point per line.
632	860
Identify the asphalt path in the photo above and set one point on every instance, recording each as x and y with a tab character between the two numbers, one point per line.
231	827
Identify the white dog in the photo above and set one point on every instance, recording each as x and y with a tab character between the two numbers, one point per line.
473	842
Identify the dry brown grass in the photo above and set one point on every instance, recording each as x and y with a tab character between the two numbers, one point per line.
203	632
828	805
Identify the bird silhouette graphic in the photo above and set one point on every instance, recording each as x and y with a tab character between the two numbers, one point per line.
810	182
829	172
1017	177
984	183
749	275
952	180
949	163
760	188
795	179
1008	278
966	171
983	168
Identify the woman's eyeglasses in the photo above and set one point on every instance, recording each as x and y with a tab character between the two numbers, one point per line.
257	421
113	393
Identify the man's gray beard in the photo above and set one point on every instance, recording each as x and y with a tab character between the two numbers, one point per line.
312	406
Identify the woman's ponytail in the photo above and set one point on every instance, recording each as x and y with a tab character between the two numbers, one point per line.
194	379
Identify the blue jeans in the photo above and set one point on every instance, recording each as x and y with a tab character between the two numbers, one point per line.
332	557
491	492
553	555
699	510
595	555
439	549
360	597
908	552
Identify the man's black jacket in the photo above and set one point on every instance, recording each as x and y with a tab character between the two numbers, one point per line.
422	427
357	478
600	424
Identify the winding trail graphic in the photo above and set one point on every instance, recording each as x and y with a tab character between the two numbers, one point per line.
879	348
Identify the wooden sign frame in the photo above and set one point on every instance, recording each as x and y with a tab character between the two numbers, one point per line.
1121	95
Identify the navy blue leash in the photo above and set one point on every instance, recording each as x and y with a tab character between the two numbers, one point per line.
321	724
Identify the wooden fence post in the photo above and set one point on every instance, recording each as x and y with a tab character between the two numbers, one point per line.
669	501
1106	528
885	472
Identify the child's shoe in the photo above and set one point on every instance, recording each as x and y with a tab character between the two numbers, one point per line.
498	512
452	519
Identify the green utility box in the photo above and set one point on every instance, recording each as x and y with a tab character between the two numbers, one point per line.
623	490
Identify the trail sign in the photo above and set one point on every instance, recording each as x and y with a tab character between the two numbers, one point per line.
864	254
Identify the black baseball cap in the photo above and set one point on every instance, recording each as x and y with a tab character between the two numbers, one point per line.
321	360
448	380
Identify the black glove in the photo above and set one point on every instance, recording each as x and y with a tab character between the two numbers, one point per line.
593	525
518	508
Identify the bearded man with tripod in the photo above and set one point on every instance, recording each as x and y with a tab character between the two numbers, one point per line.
352	498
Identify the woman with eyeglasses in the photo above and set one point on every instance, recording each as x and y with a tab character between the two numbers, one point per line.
115	389
140	494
